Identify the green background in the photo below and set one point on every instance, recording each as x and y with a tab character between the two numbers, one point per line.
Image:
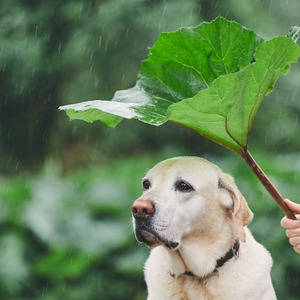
66	187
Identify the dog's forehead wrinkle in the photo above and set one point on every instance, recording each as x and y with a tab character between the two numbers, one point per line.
183	162
196	171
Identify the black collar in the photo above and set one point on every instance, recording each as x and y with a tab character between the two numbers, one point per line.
233	251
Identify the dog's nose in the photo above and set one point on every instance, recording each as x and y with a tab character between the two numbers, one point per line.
142	208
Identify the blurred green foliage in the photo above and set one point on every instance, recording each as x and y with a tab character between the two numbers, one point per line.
71	237
66	188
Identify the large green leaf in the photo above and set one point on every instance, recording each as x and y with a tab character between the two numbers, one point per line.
225	111
211	78
180	65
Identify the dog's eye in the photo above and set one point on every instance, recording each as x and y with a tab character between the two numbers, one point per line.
183	186
146	184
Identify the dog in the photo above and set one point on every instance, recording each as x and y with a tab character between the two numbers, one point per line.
195	220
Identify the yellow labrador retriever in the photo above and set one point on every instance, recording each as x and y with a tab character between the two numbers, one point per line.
194	218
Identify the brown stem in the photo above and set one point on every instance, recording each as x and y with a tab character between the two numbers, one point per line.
267	184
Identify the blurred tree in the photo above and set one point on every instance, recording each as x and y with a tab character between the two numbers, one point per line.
54	52
31	37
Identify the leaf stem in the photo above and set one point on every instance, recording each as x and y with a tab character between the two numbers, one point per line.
267	183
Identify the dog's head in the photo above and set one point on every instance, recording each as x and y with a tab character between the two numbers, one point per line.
187	196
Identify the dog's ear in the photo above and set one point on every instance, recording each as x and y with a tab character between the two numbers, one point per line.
240	211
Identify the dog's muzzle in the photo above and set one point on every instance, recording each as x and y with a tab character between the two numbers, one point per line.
143	211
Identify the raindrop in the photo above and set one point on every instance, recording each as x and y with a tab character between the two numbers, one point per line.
45	289
96	83
270	7
191	13
91	58
80	12
117	7
164	10
59	47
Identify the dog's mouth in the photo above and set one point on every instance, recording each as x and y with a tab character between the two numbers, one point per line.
148	238
152	239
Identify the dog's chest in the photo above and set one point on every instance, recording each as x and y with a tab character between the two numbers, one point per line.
191	288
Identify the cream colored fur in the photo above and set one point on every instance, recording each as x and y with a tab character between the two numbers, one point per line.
204	222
